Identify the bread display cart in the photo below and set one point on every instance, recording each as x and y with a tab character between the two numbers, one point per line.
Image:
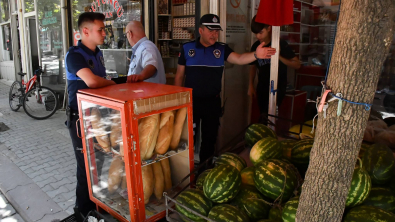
138	144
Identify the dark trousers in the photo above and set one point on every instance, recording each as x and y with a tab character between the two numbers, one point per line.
208	111
83	201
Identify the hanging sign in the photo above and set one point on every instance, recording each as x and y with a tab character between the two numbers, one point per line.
96	4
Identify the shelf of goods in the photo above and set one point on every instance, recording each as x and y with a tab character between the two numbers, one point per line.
138	143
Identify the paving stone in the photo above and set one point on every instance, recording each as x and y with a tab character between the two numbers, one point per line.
58	191
60	183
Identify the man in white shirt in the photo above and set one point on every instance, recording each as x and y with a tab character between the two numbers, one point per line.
146	62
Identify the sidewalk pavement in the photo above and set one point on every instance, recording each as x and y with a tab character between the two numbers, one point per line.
37	166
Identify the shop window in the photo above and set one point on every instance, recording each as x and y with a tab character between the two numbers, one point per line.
7	42
29	5
116	48
51	43
4	11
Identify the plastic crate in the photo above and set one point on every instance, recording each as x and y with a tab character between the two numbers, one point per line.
70	218
95	214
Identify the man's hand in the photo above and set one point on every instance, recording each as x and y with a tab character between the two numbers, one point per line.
264	52
135	78
251	91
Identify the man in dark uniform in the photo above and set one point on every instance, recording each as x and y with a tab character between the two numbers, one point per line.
202	62
84	69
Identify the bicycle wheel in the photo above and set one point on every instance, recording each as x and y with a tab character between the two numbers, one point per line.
40	104
15	95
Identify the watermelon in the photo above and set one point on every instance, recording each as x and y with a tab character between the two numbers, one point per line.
201	178
275	213
227	213
360	186
289	211
256	132
381	197
231	159
300	154
275	179
287	146
266	148
256	209
364	147
246	191
269	220
222	183
368	214
379	161
195	200
247	175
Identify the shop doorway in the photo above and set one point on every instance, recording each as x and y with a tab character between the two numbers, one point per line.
33	61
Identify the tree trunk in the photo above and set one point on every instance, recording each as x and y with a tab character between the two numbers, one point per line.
364	35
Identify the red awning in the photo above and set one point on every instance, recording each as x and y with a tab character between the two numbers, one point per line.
275	12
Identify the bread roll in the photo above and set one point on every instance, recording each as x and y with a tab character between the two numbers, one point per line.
148	133
166	174
98	129
115	174
116	131
178	125
159	180
165	132
148	182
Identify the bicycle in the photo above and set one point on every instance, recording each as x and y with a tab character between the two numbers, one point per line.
39	102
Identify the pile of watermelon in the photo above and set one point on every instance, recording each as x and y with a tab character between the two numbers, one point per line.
269	190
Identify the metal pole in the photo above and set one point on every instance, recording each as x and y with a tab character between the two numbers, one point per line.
65	34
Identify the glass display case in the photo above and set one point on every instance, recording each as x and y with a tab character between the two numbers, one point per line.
138	143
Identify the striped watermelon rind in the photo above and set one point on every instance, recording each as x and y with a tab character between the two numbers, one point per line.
379	162
264	149
287	146
196	201
275	213
247	176
360	186
222	183
227	213
201	178
383	198
300	154
256	132
289	211
255	209
231	159
368	214
269	220
246	191
275	179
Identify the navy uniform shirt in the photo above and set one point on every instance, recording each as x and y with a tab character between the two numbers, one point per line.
204	67
77	58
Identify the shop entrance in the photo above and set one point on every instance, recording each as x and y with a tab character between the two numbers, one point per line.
33	55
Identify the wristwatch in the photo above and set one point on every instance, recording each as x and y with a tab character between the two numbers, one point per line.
255	56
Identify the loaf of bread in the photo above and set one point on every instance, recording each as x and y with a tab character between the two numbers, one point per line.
178	125
124	182
148	182
116	131
99	130
166	173
159	180
148	134
166	127
115	174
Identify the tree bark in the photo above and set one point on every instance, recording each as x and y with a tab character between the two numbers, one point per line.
364	35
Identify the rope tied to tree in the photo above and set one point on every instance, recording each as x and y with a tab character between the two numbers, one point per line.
335	97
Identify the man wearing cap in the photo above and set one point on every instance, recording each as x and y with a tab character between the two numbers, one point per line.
201	63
